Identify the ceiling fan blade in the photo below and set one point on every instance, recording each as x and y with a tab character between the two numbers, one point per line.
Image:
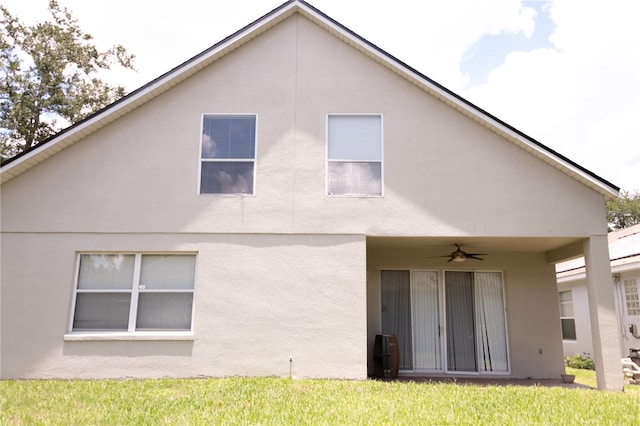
473	256
459	255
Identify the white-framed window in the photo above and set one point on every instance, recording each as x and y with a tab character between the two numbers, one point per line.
228	154
567	318
354	155
127	292
631	297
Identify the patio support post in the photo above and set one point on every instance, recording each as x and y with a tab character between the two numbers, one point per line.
604	322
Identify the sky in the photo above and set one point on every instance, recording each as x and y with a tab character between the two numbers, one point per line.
565	72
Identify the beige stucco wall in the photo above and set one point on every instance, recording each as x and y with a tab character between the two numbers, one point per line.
532	315
259	300
280	273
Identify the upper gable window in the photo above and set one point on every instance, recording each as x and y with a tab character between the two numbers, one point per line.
354	155
228	154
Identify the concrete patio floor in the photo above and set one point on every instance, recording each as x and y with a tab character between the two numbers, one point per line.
490	381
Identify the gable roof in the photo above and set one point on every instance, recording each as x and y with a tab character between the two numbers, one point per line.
27	159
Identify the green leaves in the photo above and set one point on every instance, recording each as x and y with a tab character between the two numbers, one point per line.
48	75
623	211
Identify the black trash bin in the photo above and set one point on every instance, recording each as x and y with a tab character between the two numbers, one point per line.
386	356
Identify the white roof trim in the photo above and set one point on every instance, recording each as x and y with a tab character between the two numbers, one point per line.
617	267
195	64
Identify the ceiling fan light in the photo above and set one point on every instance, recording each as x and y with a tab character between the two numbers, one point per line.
459	259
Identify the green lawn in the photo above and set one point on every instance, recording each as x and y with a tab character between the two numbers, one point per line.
284	401
588	377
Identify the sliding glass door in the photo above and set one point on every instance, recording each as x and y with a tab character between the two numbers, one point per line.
470	307
396	313
410	311
476	330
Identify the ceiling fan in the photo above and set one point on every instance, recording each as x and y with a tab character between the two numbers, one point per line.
460	256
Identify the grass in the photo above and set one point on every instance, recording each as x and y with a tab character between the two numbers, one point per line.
283	401
587	377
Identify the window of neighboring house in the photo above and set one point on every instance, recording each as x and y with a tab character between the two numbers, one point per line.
134	292
354	155
631	296
228	154
566	316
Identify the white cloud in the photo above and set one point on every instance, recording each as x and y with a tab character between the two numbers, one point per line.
431	36
583	99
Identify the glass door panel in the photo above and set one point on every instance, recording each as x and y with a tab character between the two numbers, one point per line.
476	328
461	346
396	313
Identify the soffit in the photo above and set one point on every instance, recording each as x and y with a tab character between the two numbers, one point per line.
516	244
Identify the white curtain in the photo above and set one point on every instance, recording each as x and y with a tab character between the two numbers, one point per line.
106	271
164	311
426	323
355	137
102	311
490	323
166	292
168	271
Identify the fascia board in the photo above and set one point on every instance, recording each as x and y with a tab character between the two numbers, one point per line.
581	274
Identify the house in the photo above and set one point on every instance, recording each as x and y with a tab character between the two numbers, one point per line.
624	250
272	204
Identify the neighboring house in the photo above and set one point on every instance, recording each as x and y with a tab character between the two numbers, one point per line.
624	250
270	205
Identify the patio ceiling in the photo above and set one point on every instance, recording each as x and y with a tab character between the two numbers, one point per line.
517	244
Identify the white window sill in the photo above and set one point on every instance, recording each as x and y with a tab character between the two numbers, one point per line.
141	335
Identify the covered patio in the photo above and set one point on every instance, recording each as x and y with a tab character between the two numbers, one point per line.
482	382
493	317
